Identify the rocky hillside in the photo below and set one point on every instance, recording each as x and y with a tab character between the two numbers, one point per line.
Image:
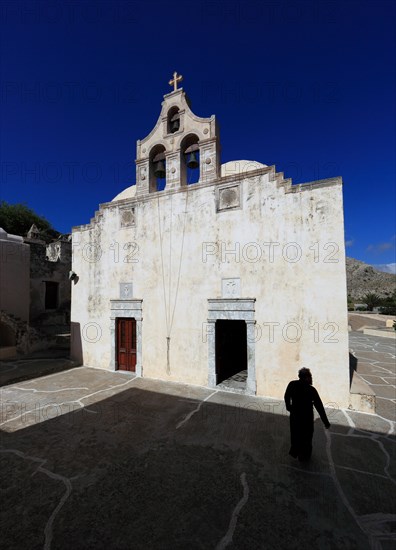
363	278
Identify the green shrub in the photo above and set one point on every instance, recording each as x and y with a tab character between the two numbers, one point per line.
388	310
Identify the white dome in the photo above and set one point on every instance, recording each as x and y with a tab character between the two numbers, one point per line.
240	167
128	193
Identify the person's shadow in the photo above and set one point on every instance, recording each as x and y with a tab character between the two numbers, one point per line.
352	367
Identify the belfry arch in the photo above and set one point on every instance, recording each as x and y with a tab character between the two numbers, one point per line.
189	160
157	168
173	122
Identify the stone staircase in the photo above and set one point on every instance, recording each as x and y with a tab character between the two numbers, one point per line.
55	326
27	338
38	335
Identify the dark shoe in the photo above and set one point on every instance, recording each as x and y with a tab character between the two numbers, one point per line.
293	453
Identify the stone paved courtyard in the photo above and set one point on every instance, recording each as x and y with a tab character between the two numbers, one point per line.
94	459
376	365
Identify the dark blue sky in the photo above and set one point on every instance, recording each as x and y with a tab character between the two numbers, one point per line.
307	86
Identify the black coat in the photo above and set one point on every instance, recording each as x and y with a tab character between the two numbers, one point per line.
300	398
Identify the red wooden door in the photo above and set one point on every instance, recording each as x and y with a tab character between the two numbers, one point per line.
126	344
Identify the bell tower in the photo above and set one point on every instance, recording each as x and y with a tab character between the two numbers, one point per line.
181	149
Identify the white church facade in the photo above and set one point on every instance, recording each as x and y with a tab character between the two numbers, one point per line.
217	275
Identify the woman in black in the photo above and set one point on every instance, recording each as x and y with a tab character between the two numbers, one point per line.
300	396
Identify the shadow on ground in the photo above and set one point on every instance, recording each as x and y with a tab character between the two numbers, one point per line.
35	365
144	469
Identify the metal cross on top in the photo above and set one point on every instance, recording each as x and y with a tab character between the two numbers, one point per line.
176	78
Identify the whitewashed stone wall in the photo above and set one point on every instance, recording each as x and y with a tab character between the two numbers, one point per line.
242	236
14	275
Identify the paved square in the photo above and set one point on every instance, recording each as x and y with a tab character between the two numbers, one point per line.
94	459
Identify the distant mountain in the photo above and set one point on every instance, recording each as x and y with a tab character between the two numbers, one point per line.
363	278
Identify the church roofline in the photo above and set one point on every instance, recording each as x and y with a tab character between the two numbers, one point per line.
275	176
316	184
174	93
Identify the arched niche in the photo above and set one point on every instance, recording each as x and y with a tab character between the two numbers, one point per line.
190	159
157	169
173	120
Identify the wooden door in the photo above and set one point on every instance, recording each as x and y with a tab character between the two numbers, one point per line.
126	344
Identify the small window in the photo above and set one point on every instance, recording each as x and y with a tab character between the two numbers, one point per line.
51	295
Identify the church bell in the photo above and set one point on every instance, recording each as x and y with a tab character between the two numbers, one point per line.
175	123
174	126
159	169
192	161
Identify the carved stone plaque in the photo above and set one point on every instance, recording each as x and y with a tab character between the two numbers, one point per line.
126	291
127	217
229	197
231	288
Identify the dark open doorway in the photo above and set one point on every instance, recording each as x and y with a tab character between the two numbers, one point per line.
231	349
51	294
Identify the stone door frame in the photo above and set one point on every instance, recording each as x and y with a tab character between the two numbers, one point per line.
127	309
232	309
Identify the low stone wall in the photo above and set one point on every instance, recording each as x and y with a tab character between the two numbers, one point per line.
361	396
382	332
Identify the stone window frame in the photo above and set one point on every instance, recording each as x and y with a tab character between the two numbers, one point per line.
226	186
232	309
126	309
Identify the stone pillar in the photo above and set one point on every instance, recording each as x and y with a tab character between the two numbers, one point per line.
139	345
173	170
251	385
164	123
212	377
209	169
113	355
142	177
